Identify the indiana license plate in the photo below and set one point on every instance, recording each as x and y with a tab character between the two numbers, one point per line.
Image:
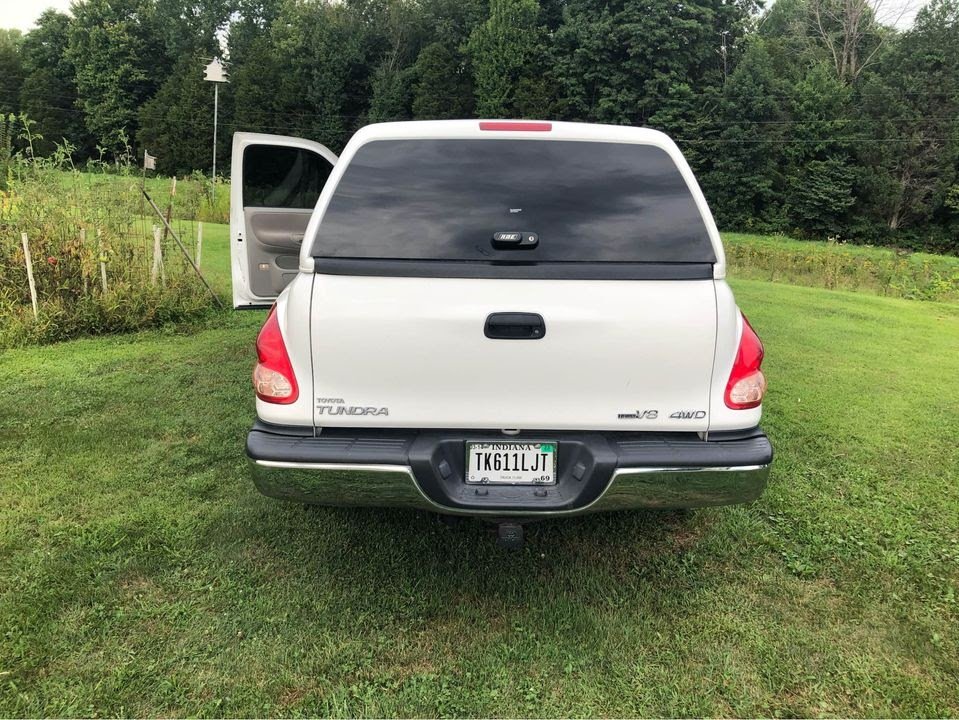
511	463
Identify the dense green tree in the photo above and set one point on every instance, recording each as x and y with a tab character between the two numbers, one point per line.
502	53
439	75
261	87
910	123
451	22
49	93
192	26
339	81
308	74
176	125
391	93
442	86
254	85
120	62
817	154
250	21
615	61
689	116
819	195
786	19
745	181
397	33
11	71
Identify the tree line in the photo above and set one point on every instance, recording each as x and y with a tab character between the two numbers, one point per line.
812	117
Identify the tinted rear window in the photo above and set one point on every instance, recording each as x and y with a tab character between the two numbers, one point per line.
444	200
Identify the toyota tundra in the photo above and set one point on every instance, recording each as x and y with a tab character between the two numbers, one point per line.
507	319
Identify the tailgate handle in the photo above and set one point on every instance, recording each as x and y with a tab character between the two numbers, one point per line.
514	326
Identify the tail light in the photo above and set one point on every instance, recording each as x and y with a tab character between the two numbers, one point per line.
273	378
747	384
512	126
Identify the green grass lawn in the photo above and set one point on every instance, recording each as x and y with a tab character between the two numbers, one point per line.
141	573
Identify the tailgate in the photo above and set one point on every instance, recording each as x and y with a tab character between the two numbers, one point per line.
412	352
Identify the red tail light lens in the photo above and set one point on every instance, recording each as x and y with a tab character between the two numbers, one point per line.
747	384
273	378
514	126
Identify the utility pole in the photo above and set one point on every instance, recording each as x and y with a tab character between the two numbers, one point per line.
722	51
216	74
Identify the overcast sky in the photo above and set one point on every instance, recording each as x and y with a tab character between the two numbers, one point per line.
23	13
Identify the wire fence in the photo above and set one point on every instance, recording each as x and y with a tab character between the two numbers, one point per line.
83	253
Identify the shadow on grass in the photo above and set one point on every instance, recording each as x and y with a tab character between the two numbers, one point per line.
407	562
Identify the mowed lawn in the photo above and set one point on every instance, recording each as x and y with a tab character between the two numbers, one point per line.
141	573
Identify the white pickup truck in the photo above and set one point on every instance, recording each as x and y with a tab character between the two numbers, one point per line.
508	319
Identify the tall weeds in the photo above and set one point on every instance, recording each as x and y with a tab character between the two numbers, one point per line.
82	226
832	265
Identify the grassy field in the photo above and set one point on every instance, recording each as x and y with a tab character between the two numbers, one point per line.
141	574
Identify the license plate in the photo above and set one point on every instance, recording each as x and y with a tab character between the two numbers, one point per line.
511	463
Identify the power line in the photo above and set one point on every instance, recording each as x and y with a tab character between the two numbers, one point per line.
710	96
202	121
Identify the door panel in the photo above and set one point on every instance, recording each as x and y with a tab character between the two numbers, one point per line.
273	242
276	181
278	228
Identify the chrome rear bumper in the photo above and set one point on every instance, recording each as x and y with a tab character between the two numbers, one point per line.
396	486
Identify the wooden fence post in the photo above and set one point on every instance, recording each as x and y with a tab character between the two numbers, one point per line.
186	253
103	261
169	207
199	242
157	255
30	281
83	242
